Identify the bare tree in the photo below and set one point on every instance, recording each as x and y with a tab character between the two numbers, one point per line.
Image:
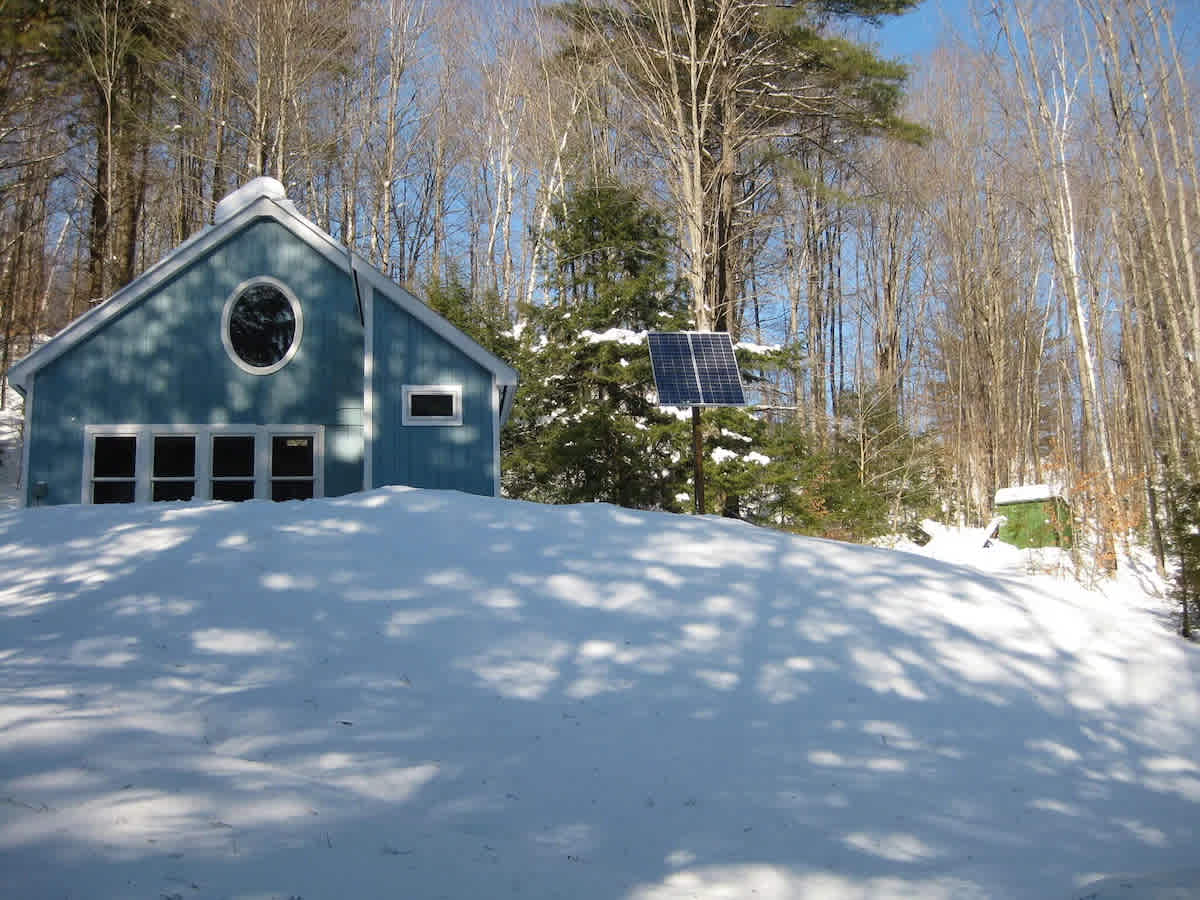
709	85
1048	92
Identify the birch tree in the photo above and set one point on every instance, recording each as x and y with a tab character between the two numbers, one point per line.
1049	86
711	85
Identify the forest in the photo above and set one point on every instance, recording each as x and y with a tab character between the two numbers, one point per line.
946	276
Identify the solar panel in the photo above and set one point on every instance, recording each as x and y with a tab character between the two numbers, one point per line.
695	368
717	369
674	369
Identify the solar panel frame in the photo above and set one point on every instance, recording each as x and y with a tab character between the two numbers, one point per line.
695	368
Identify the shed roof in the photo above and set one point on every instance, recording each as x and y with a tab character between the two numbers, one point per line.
261	198
1027	493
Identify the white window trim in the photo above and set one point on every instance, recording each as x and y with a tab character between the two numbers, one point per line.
144	455
90	433
176	479
454	390
227	314
234	431
262	450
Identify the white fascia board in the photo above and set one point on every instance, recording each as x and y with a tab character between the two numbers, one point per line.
426	315
497	421
165	269
26	440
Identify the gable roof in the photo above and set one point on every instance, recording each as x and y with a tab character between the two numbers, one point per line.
261	198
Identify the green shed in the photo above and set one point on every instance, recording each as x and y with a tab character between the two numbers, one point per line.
1036	515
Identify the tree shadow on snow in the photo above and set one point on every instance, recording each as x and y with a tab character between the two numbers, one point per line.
423	694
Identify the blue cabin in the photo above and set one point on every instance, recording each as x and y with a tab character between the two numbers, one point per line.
260	359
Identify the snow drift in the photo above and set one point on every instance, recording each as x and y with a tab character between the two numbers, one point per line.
419	694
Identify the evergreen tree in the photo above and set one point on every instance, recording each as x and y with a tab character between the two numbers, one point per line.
483	318
585	426
1183	501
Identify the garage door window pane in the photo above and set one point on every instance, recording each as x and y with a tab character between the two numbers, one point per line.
233	467
174	457
233	456
114	457
292	466
112	492
291	456
292	489
174	490
173	476
233	490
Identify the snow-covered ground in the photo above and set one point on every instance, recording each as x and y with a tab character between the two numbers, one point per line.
429	695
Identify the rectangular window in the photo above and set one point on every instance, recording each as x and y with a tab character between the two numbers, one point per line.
233	467
292	471
114	467
174	476
431	404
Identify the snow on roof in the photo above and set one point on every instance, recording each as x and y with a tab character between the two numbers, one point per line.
1026	493
262	186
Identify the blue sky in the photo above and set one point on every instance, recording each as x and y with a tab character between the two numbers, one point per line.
916	33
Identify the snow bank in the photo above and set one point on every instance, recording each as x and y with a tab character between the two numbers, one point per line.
428	694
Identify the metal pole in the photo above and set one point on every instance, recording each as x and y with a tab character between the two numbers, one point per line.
698	460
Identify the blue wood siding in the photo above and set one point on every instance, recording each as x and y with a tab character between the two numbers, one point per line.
457	457
162	362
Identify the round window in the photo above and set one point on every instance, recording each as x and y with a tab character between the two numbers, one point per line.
262	326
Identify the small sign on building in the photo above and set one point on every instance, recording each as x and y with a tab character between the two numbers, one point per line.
1036	515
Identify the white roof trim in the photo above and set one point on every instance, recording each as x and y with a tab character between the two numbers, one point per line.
264	207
